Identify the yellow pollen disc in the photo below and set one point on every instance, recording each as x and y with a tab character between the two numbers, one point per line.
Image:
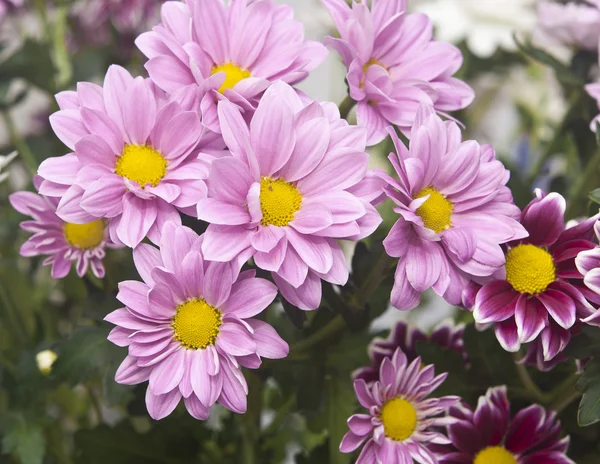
529	269
233	74
436	212
279	201
196	324
84	236
399	419
495	455
142	164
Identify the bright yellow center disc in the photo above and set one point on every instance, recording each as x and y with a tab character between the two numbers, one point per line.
84	236
529	269
141	164
399	419
436	212
196	324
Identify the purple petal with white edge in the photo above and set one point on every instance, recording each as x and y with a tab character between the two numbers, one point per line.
160	406
544	219
249	297
268	342
531	317
560	307
506	333
495	302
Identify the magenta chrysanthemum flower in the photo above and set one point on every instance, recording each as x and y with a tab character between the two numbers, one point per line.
229	52
455	212
394	64
189	327
402	421
405	337
540	279
490	435
588	265
65	243
572	23
296	182
133	163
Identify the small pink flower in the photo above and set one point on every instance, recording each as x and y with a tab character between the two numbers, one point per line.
405	337
540	294
227	52
394	64
134	160
189	327
571	23
64	243
490	435
402	422
455	212
296	182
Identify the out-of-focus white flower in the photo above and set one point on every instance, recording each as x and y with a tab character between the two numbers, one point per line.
484	24
4	160
44	360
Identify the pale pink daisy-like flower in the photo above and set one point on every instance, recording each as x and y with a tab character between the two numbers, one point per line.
540	294
571	23
490	435
394	64
229	52
296	181
63	242
402	421
455	212
189	327
134	161
405	337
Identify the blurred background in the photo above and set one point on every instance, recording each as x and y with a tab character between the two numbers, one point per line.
58	400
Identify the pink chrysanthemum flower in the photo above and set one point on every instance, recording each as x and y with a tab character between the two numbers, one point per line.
229	52
402	421
490	435
65	243
134	161
296	182
394	64
189	327
405	337
571	23
540	279
455	212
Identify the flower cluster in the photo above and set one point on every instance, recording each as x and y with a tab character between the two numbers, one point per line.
571	23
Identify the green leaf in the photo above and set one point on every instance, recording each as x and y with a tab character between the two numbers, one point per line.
26	442
594	195
83	354
341	403
585	344
31	62
589	385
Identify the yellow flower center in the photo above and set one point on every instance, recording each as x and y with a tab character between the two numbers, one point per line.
84	236
196	324
399	419
529	269
436	212
495	455
142	164
233	74
279	201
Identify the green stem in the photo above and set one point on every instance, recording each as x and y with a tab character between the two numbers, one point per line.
334	327
13	316
60	54
562	403
529	385
282	414
251	419
346	106
19	143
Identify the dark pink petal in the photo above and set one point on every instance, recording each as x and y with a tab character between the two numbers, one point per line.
506	333
530	316
560	307
545	219
495	302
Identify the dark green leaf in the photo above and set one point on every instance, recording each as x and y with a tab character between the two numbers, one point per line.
26	442
589	385
31	62
595	195
585	344
341	402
